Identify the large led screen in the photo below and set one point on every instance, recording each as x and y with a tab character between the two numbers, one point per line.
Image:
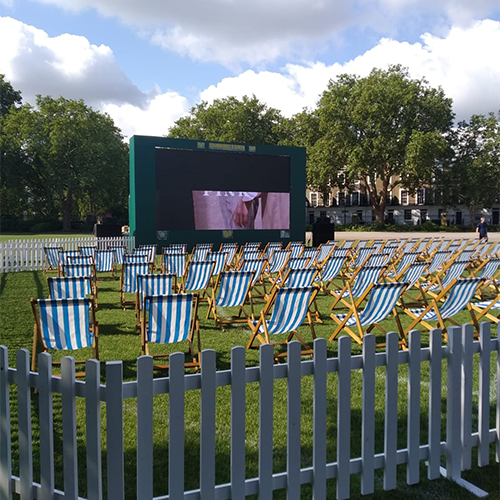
221	191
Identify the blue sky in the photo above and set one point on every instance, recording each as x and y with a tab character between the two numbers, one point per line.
146	63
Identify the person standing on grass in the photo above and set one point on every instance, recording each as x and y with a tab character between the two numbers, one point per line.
482	230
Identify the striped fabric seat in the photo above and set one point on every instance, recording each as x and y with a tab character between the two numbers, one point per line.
406	260
252	245
362	256
347	244
138	257
366	277
80	259
311	253
414	272
65	254
230	249
455	271
151	249
486	303
250	254
233	288
87	251
382	300
299	263
69	287
154	284
331	269
104	260
198	275
64	324
296	248
341	252
272	247
278	261
78	270
51	258
174	263
490	269
324	252
176	248
130	271
219	259
296	278
255	265
119	251
378	259
290	309
200	252
460	295
439	258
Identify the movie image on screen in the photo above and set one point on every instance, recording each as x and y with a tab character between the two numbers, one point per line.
205	190
232	210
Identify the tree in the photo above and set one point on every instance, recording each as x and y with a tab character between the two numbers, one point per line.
472	174
76	156
386	130
230	120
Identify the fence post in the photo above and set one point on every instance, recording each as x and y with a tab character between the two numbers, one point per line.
5	438
483	452
435	389
319	418
413	430
368	417
467	382
453	403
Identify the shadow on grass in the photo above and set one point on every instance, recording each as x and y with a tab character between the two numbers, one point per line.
38	283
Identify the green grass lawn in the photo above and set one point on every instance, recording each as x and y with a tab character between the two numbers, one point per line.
118	340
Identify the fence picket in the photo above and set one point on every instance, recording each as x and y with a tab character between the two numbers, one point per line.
207	434
391	411
294	378
467	381
114	430
5	437
319	417
413	428
344	419
483	452
46	426
24	420
266	411
368	417
435	372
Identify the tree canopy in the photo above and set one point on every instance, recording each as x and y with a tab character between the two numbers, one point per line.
386	130
74	159
231	120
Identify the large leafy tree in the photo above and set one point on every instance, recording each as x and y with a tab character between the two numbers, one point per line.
76	156
472	175
231	120
386	130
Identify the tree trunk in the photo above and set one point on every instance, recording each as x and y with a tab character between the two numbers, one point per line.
379	214
66	210
472	211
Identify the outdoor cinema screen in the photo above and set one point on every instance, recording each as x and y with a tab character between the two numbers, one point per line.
213	190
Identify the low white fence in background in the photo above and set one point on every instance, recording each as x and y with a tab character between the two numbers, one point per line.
458	358
28	255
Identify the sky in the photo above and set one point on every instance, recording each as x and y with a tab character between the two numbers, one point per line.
147	63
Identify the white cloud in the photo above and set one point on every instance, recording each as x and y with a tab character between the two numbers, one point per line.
232	32
464	64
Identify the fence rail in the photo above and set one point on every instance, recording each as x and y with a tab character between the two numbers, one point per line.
457	356
28	254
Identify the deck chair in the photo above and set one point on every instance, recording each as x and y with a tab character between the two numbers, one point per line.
174	263
105	261
310	253
200	252
119	251
67	324
459	295
296	248
69	287
378	259
65	255
230	249
490	271
290	307
152	251
151	284
399	267
298	263
175	248
198	276
361	256
138	257
170	319
128	280
324	251
87	251
80	259
277	262
257	266
271	247
484	309
329	271
382	300
443	279
234	289
219	259
412	276
438	261
356	286
51	262
81	271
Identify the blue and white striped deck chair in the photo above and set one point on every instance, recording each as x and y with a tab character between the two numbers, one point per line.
234	289
51	262
105	261
311	253
495	251
230	249
438	259
174	263
377	259
257	266
406	260
171	319
200	252
290	307
128	280
81	271
198	276
362	256
69	287
250	254
64	324
298	263
176	248
119	251
361	244
341	252
433	246
357	286
330	270
485	309
138	257
252	245
151	249
460	293
80	259
347	244
490	273
277	262
151	284
87	251
64	255
219	259
382	300
378	245
271	247
324	251
441	281
296	248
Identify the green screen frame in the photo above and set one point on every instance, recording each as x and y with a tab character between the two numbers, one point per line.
142	204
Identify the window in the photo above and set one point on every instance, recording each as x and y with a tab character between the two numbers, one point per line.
420	196
314	199
408	215
355	198
341	198
404	197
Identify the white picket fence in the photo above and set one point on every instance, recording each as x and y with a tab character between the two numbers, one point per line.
28	255
456	448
